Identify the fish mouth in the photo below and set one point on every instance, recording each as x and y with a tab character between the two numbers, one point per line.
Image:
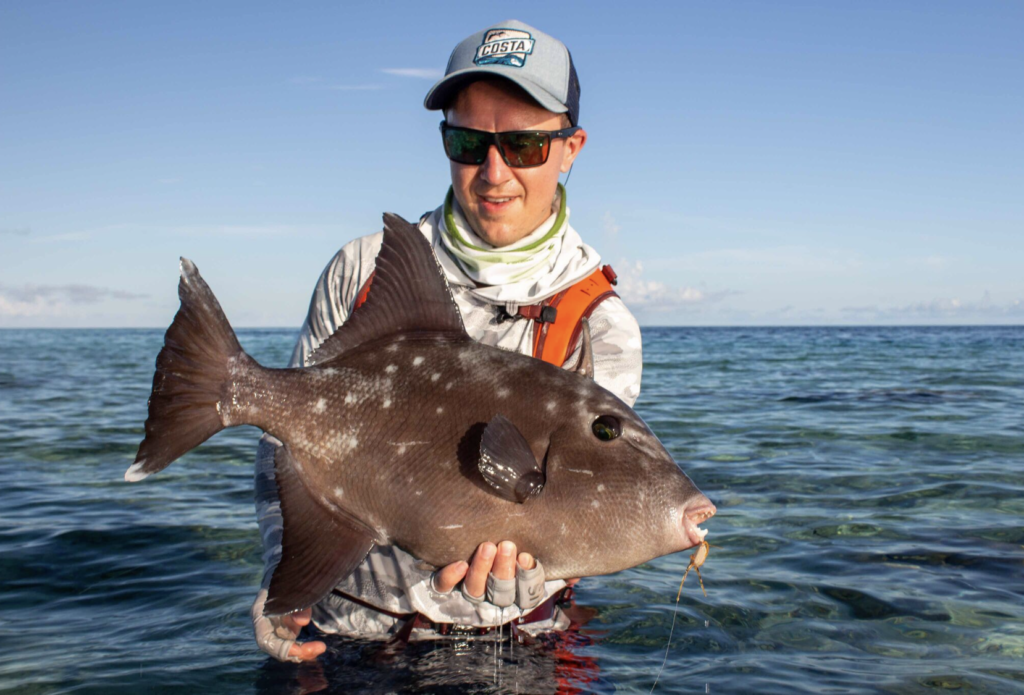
695	515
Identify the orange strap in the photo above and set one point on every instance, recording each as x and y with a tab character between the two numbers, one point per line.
363	291
554	342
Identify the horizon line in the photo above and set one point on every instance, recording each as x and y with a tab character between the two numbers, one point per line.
642	326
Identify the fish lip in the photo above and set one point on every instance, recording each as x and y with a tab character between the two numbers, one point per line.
692	516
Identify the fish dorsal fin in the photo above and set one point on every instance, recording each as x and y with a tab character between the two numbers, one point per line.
409	295
507	463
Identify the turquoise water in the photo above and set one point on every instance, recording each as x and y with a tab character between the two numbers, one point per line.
869	536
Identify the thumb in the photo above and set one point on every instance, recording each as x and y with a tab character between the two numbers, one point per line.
307	651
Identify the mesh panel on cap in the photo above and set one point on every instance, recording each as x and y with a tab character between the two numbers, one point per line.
572	100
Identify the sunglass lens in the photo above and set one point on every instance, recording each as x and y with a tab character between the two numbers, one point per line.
465	146
525	149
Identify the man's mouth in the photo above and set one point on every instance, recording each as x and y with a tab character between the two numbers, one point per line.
493	203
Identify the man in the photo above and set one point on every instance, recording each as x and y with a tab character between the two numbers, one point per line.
503	240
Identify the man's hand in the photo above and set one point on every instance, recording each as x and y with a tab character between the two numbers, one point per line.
500	559
276	636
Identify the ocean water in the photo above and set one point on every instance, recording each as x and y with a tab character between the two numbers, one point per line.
870	533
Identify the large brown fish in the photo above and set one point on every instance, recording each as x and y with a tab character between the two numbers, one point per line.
406	431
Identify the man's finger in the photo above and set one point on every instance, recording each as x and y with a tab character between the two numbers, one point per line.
476	577
297	620
505	563
447	577
526	561
307	651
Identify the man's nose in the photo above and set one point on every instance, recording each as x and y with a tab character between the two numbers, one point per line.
494	170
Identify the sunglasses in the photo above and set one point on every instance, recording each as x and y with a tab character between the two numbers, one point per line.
519	148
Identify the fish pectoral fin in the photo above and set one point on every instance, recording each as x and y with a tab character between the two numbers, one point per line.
507	463
319	546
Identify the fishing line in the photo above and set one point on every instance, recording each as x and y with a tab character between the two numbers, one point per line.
670	631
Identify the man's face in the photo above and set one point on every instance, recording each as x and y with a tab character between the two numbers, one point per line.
503	204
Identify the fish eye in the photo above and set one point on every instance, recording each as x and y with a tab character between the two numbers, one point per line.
607	428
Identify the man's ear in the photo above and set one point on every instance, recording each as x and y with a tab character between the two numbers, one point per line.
573	145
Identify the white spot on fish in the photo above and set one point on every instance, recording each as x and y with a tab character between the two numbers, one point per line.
350	398
502	393
581	471
419	492
600	488
387	402
347	443
321	406
448	386
452	526
392	347
338	492
435	376
551	406
440	409
330	371
417	361
391	368
401	449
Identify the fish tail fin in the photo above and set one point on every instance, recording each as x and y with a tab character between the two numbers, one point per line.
192	376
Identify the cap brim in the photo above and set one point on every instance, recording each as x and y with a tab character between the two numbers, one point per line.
442	93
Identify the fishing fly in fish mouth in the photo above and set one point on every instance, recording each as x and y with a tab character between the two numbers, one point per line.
458	382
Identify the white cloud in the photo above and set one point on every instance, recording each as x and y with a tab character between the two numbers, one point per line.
653	296
15	231
943	309
55	300
421	73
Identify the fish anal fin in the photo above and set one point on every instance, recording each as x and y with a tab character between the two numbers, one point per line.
318	548
409	295
507	463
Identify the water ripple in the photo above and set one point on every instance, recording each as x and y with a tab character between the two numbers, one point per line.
870	485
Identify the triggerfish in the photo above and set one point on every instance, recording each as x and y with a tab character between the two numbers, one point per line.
404	430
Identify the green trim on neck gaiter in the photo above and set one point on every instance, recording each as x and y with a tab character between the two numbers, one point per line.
453	230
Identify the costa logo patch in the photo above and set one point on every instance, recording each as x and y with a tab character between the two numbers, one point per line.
504	47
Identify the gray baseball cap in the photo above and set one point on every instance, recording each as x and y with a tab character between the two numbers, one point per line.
537	62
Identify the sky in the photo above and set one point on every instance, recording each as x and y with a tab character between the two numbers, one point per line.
748	163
